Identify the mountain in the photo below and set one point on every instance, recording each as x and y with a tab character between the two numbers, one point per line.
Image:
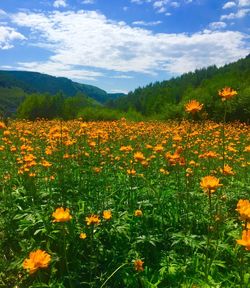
34	82
164	100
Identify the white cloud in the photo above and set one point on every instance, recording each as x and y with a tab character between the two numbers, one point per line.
162	10
60	3
161	6
77	40
88	1
2	13
7	36
6	67
217	25
243	3
143	23
229	5
137	1
60	70
175	4
119	91
160	3
241	13
122	77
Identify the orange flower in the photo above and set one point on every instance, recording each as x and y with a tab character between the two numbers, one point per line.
126	148
227	93
131	171
247	149
227	170
37	259
2	125
139	156
245	241
209	184
243	207
138	265
107	215
97	169
61	215
193	106
138	213
45	163
83	236
158	148
93	219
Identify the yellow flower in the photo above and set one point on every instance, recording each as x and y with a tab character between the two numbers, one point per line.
245	241
138	265
37	259
61	215
107	215
209	184
227	93
138	213
83	236
193	106
93	219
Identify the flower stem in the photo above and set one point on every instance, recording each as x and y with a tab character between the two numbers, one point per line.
65	256
112	274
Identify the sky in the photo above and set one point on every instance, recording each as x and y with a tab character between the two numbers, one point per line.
119	45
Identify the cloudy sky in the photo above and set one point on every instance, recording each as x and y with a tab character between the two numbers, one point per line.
119	45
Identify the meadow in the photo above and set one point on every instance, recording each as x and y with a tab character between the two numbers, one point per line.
124	204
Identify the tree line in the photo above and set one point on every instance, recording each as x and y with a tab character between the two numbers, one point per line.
166	99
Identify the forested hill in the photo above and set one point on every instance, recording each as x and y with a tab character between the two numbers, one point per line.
164	100
34	82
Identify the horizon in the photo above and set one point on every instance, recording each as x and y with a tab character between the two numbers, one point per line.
119	47
29	71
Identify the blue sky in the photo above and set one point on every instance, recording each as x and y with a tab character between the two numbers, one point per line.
119	45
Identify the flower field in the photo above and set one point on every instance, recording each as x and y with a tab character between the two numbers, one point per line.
124	204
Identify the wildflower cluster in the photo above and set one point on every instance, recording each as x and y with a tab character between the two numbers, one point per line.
243	208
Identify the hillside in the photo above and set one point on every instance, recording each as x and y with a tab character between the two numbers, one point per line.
10	99
34	82
164	100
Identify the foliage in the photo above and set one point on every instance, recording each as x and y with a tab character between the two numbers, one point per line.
100	113
10	99
162	99
45	106
37	106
